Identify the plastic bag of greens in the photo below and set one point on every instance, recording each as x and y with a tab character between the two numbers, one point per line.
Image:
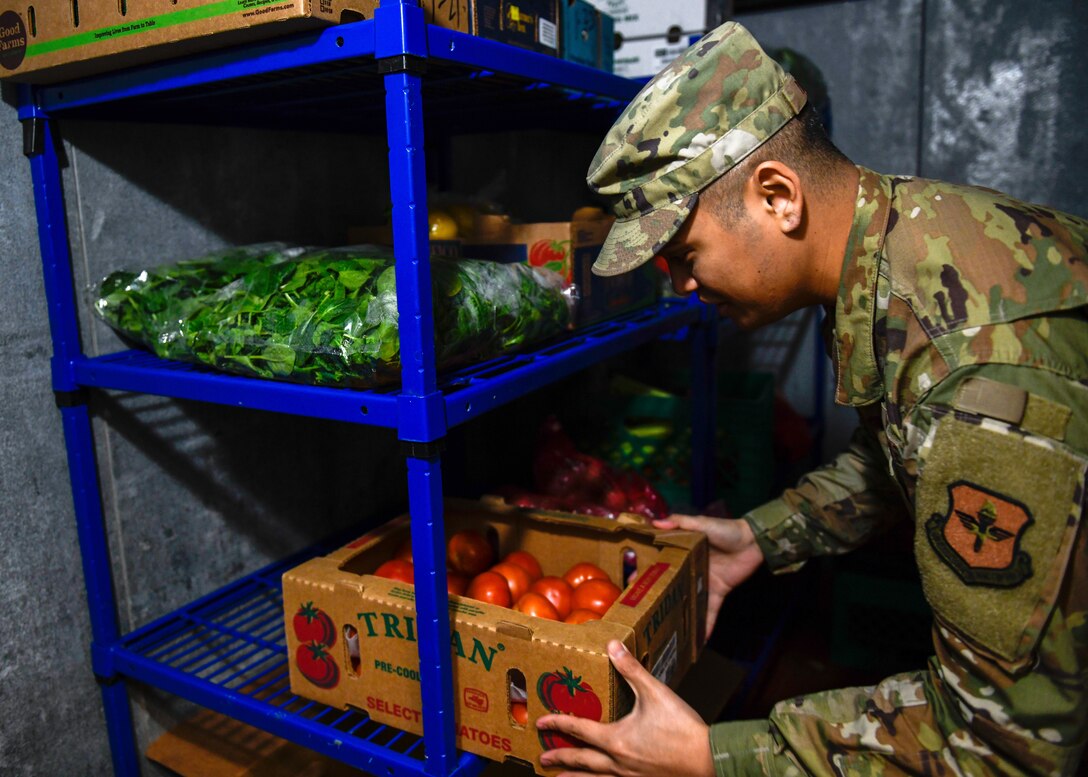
325	316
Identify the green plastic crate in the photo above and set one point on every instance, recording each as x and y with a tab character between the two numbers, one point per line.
648	430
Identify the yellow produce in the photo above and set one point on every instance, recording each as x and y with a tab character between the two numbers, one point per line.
465	216
442	226
588	213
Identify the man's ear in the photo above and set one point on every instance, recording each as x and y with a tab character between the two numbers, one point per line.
777	188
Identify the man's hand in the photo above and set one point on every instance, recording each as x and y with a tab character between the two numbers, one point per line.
734	555
661	735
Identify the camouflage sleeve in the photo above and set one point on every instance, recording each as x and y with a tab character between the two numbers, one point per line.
832	510
1005	567
750	748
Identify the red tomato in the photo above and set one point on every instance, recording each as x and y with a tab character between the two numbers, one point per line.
316	665
469	553
404	552
583	571
596	595
557	591
312	624
397	569
516	577
537	606
562	692
490	587
519	712
581	616
526	561
456	583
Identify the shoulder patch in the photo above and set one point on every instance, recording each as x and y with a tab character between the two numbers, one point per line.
979	537
998	511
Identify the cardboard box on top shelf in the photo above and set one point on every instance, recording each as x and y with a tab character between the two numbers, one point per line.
651	34
528	24
646	57
588	35
54	40
568	248
653	18
369	656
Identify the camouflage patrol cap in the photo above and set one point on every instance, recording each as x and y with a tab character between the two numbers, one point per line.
696	119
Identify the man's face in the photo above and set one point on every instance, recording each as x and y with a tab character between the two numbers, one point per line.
748	269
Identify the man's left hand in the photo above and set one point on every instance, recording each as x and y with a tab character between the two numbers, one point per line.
661	735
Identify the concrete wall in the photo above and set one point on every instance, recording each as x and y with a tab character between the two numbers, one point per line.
971	90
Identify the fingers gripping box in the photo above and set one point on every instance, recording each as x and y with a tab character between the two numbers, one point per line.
352	636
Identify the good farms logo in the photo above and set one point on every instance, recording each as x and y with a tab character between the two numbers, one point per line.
392	626
12	40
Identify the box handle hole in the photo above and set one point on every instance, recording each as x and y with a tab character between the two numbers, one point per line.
351	644
630	566
32	18
517	703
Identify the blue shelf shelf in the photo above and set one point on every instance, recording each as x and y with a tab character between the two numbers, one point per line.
227	652
393	76
331	81
467	393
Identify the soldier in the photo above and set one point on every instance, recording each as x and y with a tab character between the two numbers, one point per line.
956	323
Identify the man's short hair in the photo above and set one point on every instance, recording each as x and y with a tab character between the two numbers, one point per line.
802	143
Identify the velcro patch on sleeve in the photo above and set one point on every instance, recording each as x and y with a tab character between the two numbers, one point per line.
997	514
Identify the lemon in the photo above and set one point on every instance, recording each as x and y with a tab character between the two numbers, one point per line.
442	226
465	217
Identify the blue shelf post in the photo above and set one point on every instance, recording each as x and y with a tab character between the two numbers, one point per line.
75	418
401	51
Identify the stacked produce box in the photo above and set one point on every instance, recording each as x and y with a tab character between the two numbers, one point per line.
351	633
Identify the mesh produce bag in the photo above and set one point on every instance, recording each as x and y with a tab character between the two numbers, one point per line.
325	316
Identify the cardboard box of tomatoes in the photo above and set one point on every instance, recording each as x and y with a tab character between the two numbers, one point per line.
523	643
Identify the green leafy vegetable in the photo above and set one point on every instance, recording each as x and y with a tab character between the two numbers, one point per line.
324	316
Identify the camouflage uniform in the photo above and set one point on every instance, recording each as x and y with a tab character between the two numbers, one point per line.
961	319
960	335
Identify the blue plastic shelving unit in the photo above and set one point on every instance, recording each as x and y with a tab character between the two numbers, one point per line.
226	651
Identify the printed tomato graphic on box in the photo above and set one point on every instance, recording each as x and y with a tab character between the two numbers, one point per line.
312	624
551	254
317	666
562	692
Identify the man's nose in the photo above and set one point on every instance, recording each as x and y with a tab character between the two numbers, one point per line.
683	283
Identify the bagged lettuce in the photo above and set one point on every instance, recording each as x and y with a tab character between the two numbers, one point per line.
325	316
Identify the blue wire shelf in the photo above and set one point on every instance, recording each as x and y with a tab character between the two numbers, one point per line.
227	652
467	393
395	76
331	81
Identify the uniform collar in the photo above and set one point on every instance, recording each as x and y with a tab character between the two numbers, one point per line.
857	376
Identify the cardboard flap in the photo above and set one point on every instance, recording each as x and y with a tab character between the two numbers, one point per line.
515	630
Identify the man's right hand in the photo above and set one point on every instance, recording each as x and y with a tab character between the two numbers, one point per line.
734	555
